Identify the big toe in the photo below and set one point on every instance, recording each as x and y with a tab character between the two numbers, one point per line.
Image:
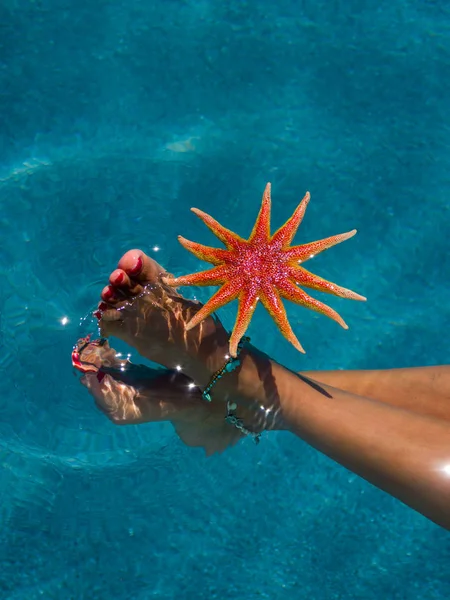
140	268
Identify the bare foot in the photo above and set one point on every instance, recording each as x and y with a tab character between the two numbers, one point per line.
140	309
130	394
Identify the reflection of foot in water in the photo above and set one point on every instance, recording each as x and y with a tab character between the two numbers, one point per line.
150	316
131	394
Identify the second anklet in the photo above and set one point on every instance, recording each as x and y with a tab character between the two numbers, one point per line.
232	419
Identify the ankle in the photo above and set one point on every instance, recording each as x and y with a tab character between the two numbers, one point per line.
211	353
251	389
254	386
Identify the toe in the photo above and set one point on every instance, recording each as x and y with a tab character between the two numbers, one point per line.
109	294
123	285
108	311
119	279
140	268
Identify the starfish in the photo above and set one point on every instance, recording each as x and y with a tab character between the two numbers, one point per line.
263	268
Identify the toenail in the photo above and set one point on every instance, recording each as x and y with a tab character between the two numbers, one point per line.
102	306
119	278
97	314
108	293
137	267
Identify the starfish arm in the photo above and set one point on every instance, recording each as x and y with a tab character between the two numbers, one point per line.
247	305
304	278
228	292
261	229
294	294
306	251
214	276
283	237
272	302
216	256
230	239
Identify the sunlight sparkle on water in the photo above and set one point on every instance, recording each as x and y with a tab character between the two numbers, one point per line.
64	321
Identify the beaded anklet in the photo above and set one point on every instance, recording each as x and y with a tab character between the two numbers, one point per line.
231	418
230	365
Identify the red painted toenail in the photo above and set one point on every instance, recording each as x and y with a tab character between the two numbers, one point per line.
97	314
108	293
119	278
137	268
76	360
102	306
100	376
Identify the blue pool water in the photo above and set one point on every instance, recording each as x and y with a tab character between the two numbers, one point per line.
116	118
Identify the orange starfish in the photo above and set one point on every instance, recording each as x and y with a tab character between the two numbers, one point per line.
265	267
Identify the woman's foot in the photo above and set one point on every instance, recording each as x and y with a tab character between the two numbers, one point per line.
130	394
150	316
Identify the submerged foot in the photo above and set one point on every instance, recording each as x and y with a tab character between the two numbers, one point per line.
130	394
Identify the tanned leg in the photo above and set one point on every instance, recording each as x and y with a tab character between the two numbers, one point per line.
424	390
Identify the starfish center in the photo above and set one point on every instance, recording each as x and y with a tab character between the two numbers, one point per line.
261	263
